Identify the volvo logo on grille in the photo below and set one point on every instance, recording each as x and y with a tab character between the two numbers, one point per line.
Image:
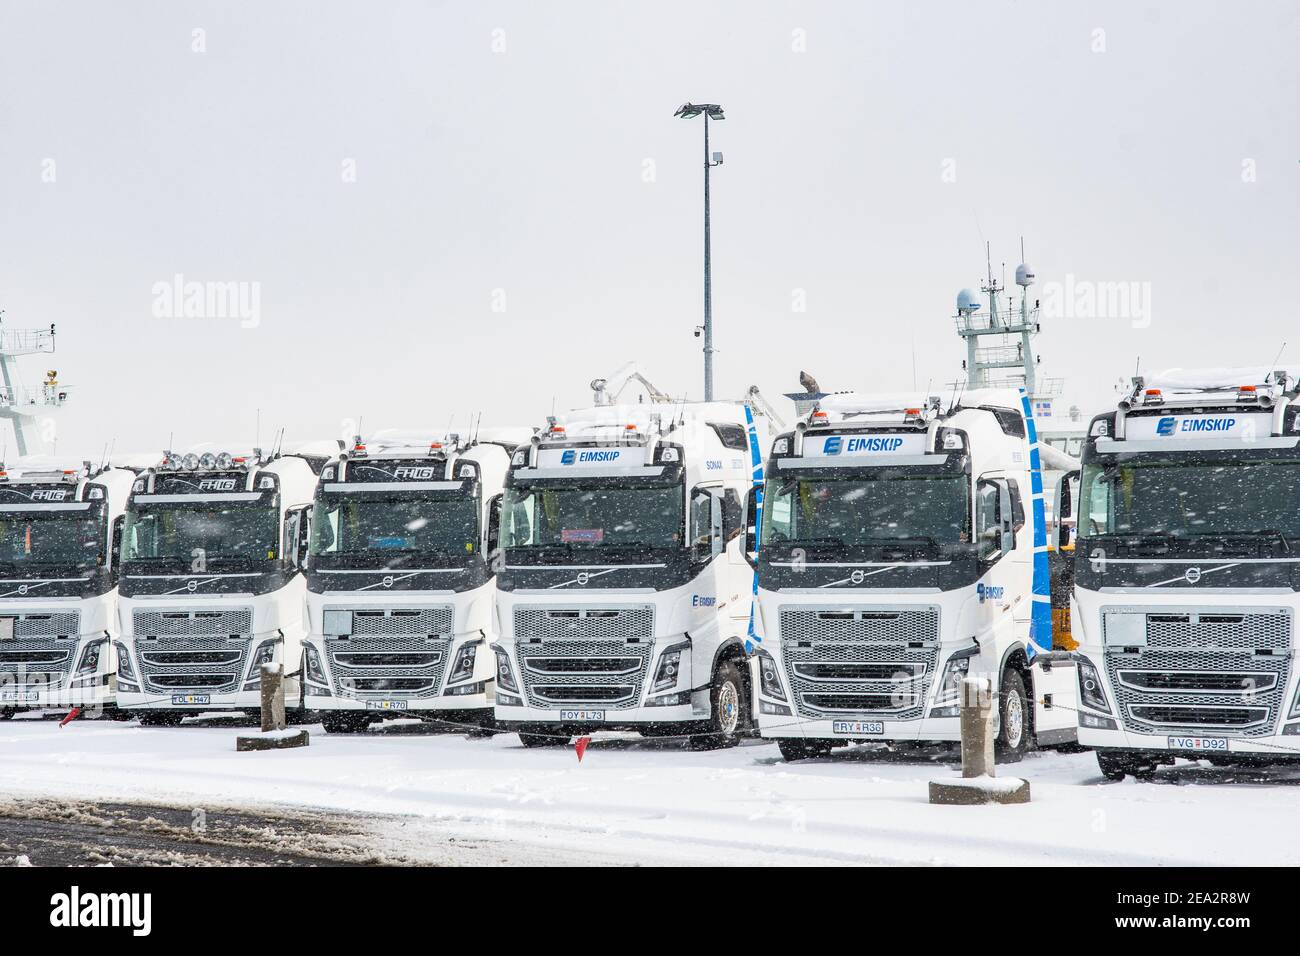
192	584
583	578
857	576
1192	575
388	581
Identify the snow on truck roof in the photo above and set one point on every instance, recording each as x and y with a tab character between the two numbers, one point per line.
609	421
1214	379
854	406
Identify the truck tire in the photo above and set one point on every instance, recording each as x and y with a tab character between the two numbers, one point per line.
542	740
1014	717
794	748
345	721
1118	765
727	708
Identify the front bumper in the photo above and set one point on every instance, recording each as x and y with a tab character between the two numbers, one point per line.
94	695
327	689
199	700
1277	745
857	729
582	717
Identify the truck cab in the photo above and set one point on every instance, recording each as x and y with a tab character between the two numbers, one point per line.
897	552
1187	571
58	583
399	582
623	596
211	586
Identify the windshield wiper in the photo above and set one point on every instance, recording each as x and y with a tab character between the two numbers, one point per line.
813	542
1274	533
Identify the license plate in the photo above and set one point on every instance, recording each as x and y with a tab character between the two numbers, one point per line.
385	705
191	698
6	628
582	715
20	696
855	727
1219	744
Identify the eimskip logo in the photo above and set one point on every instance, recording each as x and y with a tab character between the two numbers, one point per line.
76	909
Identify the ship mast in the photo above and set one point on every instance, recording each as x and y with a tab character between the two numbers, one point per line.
28	410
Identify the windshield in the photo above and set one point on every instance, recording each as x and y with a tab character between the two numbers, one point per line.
204	532
347	524
864	511
593	517
52	538
1168	496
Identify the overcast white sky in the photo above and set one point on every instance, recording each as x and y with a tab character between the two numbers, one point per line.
554	171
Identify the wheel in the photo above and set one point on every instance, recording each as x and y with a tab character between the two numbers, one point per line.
1117	765
1012	721
542	740
7	712
345	721
793	748
160	718
727	706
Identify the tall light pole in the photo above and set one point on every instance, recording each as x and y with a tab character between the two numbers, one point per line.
710	111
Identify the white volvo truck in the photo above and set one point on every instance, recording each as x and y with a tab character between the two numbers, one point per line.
399	585
901	551
211	587
59	527
623	599
1187	572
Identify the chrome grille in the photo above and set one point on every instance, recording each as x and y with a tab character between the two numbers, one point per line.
169	664
1219	630
193	649
1210	670
401	621
855	660
370	666
54	624
584	655
210	622
41	653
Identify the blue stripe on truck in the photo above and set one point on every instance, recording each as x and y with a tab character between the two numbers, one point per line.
756	471
1040	622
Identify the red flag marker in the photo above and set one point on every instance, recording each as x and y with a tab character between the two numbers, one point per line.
72	715
580	745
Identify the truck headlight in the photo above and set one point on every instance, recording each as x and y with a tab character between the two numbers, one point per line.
1091	691
670	666
505	676
768	678
90	657
947	702
462	668
265	654
315	671
125	672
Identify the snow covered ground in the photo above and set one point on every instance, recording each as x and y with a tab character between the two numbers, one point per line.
632	800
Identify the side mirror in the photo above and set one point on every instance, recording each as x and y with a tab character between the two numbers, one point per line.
1006	518
752	502
492	545
1063	517
304	537
115	547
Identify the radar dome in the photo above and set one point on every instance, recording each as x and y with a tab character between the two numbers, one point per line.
1024	274
967	302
